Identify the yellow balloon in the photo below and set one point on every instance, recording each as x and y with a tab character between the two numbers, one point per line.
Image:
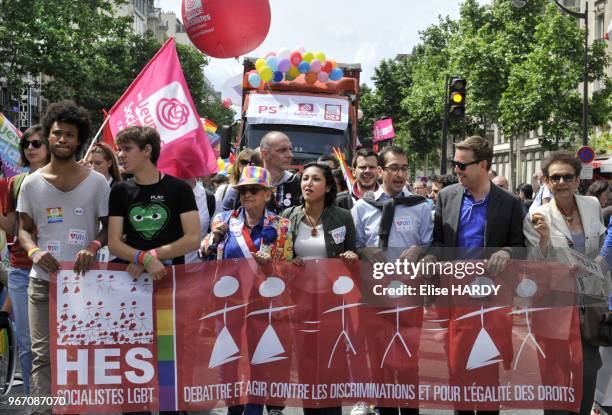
320	56
308	57
220	164
259	63
293	72
266	74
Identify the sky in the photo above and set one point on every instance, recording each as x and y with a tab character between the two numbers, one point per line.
348	31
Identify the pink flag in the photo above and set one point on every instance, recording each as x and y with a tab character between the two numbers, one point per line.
383	130
159	98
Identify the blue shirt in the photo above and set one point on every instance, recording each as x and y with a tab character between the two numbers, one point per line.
232	249
412	225
606	250
472	222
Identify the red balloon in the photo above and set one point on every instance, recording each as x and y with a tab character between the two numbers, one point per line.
296	58
226	28
227	102
327	66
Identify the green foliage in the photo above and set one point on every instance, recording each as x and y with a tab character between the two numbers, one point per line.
523	68
86	53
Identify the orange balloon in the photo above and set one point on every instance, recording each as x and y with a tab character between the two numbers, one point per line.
311	77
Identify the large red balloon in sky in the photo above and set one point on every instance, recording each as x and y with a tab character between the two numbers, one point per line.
226	28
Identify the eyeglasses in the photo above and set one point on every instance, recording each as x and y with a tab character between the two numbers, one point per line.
35	143
396	169
251	189
556	178
463	166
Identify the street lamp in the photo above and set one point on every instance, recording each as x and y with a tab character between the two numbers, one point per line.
585	69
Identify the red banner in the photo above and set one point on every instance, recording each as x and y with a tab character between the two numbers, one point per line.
222	333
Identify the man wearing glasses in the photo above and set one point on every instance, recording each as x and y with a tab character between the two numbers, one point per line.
411	224
477	220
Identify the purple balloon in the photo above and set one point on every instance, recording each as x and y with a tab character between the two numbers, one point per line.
284	65
315	65
304	67
322	76
278	76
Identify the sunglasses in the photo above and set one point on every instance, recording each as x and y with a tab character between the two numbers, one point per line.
556	178
35	143
246	162
463	166
251	189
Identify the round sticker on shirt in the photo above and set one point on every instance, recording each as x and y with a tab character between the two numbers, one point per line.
287	202
288	196
235	225
79	211
403	224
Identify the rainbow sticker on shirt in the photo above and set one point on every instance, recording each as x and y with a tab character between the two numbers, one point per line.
54	215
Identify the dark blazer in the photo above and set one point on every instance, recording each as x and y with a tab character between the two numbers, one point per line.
504	227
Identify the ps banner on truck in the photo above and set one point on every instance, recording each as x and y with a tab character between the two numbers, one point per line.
228	332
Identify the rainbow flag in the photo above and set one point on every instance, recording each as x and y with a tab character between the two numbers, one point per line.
166	361
209	126
346	171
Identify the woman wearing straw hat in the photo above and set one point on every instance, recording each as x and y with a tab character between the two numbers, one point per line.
254	231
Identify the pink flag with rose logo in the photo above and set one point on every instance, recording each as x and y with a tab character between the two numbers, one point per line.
159	98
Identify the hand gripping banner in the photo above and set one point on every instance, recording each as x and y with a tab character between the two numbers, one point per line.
325	334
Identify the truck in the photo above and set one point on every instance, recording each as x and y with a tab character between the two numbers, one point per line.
316	117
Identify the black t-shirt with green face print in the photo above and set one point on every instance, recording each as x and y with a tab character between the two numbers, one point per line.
151	213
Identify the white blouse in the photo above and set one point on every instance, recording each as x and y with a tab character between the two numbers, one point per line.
307	246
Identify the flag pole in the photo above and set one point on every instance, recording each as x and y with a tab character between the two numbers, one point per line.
95	139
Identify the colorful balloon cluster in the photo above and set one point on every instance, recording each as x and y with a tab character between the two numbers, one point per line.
288	65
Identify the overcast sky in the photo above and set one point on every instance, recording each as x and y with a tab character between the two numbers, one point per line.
349	31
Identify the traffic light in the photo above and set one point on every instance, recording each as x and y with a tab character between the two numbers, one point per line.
456	97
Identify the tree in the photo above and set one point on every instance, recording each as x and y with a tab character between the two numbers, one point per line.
87	53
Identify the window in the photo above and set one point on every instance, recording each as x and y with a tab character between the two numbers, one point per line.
600	28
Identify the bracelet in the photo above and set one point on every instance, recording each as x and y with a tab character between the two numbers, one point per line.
153	252
97	243
147	260
32	251
94	247
136	255
141	257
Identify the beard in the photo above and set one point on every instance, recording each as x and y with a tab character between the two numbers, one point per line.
63	156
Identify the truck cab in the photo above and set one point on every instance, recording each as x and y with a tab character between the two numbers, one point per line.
316	117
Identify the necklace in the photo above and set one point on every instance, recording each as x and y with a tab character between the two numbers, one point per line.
568	218
313	225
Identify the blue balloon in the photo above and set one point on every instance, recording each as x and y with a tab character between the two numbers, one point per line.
336	74
254	80
278	76
272	62
304	67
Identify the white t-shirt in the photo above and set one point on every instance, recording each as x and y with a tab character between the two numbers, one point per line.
66	222
307	246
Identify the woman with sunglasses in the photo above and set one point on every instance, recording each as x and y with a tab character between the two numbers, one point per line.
102	159
568	221
254	231
247	157
34	152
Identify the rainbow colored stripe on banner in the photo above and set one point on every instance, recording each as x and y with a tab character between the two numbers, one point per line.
166	366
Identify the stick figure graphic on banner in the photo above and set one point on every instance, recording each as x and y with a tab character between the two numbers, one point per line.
343	285
98	316
225	347
527	288
397	310
484	351
269	348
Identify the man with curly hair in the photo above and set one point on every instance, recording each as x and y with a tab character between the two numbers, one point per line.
60	209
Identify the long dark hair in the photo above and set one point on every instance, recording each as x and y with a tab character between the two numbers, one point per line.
330	195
